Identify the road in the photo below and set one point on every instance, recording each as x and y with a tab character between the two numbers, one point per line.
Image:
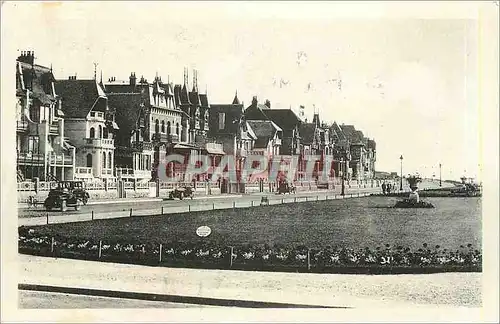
39	216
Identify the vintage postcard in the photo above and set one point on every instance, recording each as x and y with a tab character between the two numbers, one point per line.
249	161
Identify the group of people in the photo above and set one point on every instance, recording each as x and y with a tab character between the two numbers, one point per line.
387	188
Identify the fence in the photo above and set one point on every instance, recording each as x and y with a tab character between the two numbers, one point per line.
256	257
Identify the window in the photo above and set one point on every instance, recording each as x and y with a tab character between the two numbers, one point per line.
89	160
104	160
109	160
137	136
92	132
105	132
163	126
177	128
222	120
168	128
33	144
100	132
157	126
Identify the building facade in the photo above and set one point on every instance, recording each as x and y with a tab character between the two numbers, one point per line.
42	149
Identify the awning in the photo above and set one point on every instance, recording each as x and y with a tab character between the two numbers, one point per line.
115	125
184	146
60	113
67	145
215	151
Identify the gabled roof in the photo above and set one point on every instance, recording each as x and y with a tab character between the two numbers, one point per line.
284	118
184	96
79	97
127	112
249	131
264	128
337	132
39	79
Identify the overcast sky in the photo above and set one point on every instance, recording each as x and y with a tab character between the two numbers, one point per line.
409	84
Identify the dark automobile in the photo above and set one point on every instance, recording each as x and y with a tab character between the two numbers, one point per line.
285	187
77	188
181	193
62	198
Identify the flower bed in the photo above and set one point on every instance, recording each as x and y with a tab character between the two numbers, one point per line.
381	260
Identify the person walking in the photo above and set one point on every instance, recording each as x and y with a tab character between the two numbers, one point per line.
384	187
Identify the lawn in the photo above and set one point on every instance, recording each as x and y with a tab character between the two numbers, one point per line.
353	223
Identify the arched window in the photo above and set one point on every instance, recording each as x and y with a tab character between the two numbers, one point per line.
109	160
168	128
104	160
100	132
137	136
89	160
177	128
92	132
163	126
157	126
105	132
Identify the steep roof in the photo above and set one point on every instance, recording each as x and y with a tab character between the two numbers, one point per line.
264	128
307	132
337	132
194	98
236	101
284	118
204	100
80	96
39	79
127	112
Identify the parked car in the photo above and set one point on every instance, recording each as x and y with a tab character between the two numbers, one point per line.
62	198
285	187
77	187
181	193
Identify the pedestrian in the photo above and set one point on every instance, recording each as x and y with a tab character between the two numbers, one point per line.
384	187
389	187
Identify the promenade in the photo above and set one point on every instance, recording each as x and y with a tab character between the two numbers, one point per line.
248	289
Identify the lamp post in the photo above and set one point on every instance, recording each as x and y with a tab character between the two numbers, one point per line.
440	184
401	179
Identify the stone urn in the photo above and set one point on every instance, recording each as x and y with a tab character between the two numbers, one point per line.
413	182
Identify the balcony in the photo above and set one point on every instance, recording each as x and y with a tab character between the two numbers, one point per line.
83	173
21	125
160	138
54	127
30	158
214	148
141	146
100	143
128	173
60	160
106	173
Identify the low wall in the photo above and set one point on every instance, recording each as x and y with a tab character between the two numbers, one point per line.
109	190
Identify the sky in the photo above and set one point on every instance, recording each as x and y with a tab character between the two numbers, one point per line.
410	84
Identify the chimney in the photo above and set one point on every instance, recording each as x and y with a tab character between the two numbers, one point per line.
27	57
268	103
132	79
254	101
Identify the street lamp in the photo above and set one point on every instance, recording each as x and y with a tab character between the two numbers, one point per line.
401	179
440	184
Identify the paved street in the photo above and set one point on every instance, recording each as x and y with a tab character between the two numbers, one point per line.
39	216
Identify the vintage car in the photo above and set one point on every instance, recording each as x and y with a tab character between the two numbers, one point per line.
285	187
62	198
77	188
181	193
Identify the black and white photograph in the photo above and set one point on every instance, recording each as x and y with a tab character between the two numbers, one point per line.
197	161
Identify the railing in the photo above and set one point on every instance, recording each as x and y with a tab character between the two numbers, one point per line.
60	159
54	127
107	172
100	142
30	157
214	146
131	173
242	152
159	137
82	172
21	125
141	146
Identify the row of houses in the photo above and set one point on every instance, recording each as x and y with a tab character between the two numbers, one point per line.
97	129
